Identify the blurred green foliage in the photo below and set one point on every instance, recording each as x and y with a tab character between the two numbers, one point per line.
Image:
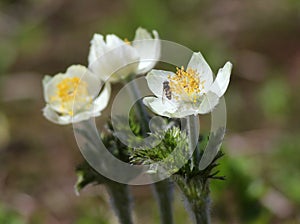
9	216
45	37
284	167
274	98
89	217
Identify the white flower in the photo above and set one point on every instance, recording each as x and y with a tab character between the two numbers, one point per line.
187	92
116	59
74	96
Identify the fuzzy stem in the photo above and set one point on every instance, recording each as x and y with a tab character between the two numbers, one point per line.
192	128
120	201
163	191
196	192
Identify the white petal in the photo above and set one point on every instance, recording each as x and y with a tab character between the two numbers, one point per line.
77	71
85	116
53	116
102	67
46	79
51	89
198	63
222	80
183	112
121	51
148	49
209	102
97	48
142	34
102	100
155	80
93	82
119	60
159	106
45	82
114	69
113	41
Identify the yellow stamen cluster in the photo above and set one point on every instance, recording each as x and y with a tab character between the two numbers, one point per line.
127	41
186	84
71	92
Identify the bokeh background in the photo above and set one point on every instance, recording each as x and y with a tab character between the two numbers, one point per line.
262	162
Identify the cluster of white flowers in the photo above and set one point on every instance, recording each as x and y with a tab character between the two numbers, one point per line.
81	93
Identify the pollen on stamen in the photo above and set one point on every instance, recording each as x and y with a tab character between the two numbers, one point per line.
186	84
127	41
71	94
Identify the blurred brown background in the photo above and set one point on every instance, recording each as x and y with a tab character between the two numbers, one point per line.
262	163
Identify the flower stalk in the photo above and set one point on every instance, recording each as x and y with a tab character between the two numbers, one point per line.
164	195
162	189
193	133
196	192
119	194
120	201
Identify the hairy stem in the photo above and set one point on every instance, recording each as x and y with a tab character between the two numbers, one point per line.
196	192
120	201
193	133
164	191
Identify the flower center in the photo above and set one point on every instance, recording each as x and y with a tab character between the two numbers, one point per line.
186	85
71	94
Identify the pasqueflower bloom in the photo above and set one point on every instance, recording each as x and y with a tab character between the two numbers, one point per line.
74	96
115	59
189	91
